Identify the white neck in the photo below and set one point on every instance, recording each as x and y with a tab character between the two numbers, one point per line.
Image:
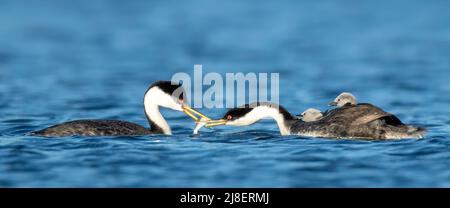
152	110
261	112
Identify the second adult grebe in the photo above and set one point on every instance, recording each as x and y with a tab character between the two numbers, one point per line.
363	121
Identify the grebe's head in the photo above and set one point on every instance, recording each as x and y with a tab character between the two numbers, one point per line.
169	95
311	114
344	98
251	113
165	94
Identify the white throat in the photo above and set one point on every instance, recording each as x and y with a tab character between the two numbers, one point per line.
151	106
261	112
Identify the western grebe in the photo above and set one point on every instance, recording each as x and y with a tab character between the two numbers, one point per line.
311	114
363	121
344	98
160	94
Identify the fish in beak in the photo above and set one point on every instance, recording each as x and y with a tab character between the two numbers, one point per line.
203	119
192	113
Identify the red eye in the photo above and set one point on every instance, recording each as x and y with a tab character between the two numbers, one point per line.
229	117
181	97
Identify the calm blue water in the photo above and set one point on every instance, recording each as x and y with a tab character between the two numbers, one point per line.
64	60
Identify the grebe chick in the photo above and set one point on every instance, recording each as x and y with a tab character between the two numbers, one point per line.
311	114
343	99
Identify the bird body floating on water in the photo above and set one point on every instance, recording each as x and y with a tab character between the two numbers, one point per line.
348	120
163	94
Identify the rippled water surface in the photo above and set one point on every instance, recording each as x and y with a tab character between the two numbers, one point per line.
64	60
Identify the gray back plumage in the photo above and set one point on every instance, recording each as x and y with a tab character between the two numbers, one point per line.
94	128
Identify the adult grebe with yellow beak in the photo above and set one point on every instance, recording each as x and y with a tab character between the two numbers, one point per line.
350	120
160	94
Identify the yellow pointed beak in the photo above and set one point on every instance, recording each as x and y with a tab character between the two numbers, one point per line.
192	113
209	122
218	122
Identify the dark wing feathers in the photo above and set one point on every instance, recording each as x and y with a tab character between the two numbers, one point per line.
356	114
94	128
362	120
